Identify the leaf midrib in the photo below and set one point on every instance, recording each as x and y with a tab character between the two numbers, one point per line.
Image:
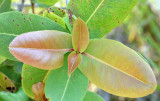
99	60
94	11
42	49
65	88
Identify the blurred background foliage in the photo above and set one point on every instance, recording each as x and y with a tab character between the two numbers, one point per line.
140	31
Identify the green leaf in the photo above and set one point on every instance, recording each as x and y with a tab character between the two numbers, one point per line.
5	5
90	96
18	23
101	16
30	76
18	96
117	69
43	49
6	84
58	11
47	2
5	40
61	87
8	67
54	17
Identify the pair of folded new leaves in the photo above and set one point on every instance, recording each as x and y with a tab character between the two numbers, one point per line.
109	64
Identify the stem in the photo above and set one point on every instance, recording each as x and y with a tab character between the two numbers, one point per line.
32	4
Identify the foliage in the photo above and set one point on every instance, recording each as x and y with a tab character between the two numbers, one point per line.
64	49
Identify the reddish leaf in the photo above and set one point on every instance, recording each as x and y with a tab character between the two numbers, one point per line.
38	91
74	59
80	38
42	49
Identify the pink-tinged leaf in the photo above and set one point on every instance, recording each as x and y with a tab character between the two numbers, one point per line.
42	49
80	37
38	91
117	69
74	59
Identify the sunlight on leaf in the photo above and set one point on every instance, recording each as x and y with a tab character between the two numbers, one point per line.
80	38
41	49
117	69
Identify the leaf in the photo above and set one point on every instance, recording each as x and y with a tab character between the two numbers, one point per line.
47	2
54	17
18	23
18	96
38	90
74	59
117	69
5	5
101	16
90	96
41	49
5	40
6	84
58	11
30	76
80	37
61	87
8	67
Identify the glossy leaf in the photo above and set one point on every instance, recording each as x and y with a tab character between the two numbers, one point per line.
117	69
47	2
18	96
61	87
58	11
54	17
38	90
80	37
74	59
17	23
101	16
5	5
31	76
41	49
5	40
6	84
90	96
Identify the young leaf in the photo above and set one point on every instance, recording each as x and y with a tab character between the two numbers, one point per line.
17	23
117	69
38	90
80	38
101	16
61	87
41	49
5	5
90	96
74	59
6	84
30	76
